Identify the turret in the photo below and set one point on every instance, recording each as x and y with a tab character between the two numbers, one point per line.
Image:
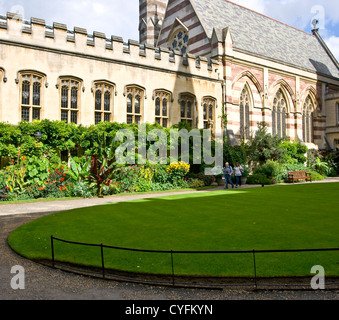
151	17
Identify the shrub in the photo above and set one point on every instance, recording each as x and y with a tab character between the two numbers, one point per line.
81	189
161	186
143	185
161	175
316	176
294	152
271	170
259	178
196	183
178	171
3	193
208	180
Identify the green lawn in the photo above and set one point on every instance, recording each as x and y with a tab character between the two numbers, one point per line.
271	218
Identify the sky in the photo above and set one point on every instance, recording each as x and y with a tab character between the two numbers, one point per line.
121	17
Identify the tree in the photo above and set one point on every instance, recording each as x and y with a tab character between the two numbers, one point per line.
264	146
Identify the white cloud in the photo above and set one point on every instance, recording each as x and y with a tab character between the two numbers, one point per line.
333	44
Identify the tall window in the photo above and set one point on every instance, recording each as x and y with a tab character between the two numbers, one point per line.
208	105
308	120
180	41
103	94
70	93
337	106
245	124
279	115
31	97
187	103
162	99
134	104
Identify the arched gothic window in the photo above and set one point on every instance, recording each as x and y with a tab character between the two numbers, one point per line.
308	120
31	96
162	99
279	112
134	104
245	103
187	103
103	101
70	98
209	105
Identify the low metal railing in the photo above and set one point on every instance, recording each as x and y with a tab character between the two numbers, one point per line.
253	252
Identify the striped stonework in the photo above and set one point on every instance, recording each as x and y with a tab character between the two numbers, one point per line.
151	16
182	12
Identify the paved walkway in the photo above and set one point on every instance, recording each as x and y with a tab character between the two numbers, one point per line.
7	209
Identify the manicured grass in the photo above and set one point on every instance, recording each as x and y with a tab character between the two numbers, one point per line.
270	218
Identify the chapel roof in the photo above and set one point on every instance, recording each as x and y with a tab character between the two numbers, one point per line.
262	36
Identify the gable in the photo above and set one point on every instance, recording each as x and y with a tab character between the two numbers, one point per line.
182	11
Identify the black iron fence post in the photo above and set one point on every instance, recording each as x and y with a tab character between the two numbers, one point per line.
102	261
52	248
172	267
255	270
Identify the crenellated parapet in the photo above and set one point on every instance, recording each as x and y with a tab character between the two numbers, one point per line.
36	34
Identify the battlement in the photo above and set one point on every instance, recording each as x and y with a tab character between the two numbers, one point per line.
35	33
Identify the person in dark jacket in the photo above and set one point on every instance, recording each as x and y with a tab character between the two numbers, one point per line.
228	172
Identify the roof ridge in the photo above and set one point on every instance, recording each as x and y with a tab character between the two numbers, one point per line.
239	5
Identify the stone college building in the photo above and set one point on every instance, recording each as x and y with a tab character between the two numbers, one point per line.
195	60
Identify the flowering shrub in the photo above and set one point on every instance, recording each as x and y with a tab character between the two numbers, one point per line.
178	171
55	185
3	193
178	168
127	176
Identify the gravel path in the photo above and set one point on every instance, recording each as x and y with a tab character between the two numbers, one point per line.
44	283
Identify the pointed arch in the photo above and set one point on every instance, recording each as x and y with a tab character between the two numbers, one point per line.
308	109
287	90
245	109
279	113
188	112
252	78
314	96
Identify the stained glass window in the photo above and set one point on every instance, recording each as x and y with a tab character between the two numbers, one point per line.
279	115
307	120
245	124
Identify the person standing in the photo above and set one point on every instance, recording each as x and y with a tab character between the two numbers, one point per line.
228	175
238	170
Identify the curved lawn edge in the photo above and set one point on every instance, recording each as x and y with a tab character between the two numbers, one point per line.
193	219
